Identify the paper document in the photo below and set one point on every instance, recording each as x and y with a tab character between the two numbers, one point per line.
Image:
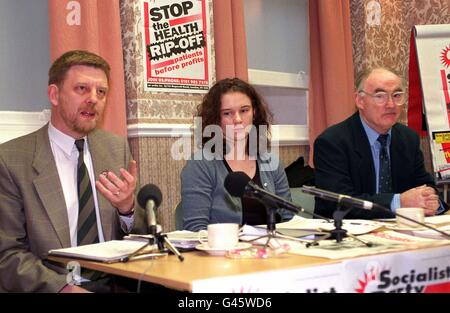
108	251
181	238
429	233
298	222
385	241
354	227
438	219
251	233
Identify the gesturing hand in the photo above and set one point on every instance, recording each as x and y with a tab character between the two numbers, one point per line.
119	190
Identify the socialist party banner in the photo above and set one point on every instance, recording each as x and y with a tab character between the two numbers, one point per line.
432	48
415	271
177	45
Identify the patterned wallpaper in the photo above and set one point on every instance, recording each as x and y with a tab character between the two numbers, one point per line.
149	107
155	163
381	31
383	39
157	167
152	153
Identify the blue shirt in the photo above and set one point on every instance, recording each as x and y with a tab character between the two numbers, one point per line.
375	147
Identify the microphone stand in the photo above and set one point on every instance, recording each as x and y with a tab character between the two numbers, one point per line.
338	233
347	201
159	239
162	239
271	209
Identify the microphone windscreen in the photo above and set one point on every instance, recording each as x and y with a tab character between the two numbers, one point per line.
149	192
235	183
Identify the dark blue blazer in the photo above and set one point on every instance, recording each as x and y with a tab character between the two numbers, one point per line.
344	164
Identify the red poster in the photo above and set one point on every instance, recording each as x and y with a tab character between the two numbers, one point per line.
177	46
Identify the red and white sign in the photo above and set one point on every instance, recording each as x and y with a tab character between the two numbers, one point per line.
177	46
423	271
417	271
430	65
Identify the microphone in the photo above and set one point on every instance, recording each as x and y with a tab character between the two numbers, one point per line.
340	198
238	183
150	197
363	204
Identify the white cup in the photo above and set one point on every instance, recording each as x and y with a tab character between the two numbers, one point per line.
222	236
416	214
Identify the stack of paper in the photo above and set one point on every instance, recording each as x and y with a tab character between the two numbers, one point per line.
354	227
438	219
429	233
109	251
440	222
183	239
186	239
386	241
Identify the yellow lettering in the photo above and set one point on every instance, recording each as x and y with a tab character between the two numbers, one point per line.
442	138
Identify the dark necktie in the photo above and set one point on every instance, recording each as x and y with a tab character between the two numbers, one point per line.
385	180
87	222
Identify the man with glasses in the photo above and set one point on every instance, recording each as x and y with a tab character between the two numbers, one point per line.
371	156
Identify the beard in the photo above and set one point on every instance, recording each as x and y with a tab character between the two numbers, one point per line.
76	122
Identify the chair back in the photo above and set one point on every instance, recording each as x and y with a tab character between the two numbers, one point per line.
179	217
306	201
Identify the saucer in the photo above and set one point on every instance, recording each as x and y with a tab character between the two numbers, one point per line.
221	251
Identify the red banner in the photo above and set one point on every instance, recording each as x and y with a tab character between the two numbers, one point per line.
177	46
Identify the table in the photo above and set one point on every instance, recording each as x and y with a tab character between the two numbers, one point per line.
410	270
172	273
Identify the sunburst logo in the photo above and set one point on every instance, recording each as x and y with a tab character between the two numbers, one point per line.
368	282
445	56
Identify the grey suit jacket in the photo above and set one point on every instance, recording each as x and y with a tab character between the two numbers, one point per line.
33	214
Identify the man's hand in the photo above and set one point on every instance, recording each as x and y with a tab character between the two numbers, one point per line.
422	197
119	190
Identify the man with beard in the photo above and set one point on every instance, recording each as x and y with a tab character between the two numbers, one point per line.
67	184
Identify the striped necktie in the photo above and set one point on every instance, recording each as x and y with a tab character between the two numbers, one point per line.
384	177
87	222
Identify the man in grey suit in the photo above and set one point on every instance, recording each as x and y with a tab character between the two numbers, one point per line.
39	191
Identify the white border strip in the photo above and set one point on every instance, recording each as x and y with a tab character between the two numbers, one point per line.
158	130
278	79
284	135
16	124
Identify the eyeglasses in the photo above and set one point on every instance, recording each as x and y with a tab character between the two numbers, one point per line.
381	97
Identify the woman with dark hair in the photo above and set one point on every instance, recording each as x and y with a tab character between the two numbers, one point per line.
234	112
